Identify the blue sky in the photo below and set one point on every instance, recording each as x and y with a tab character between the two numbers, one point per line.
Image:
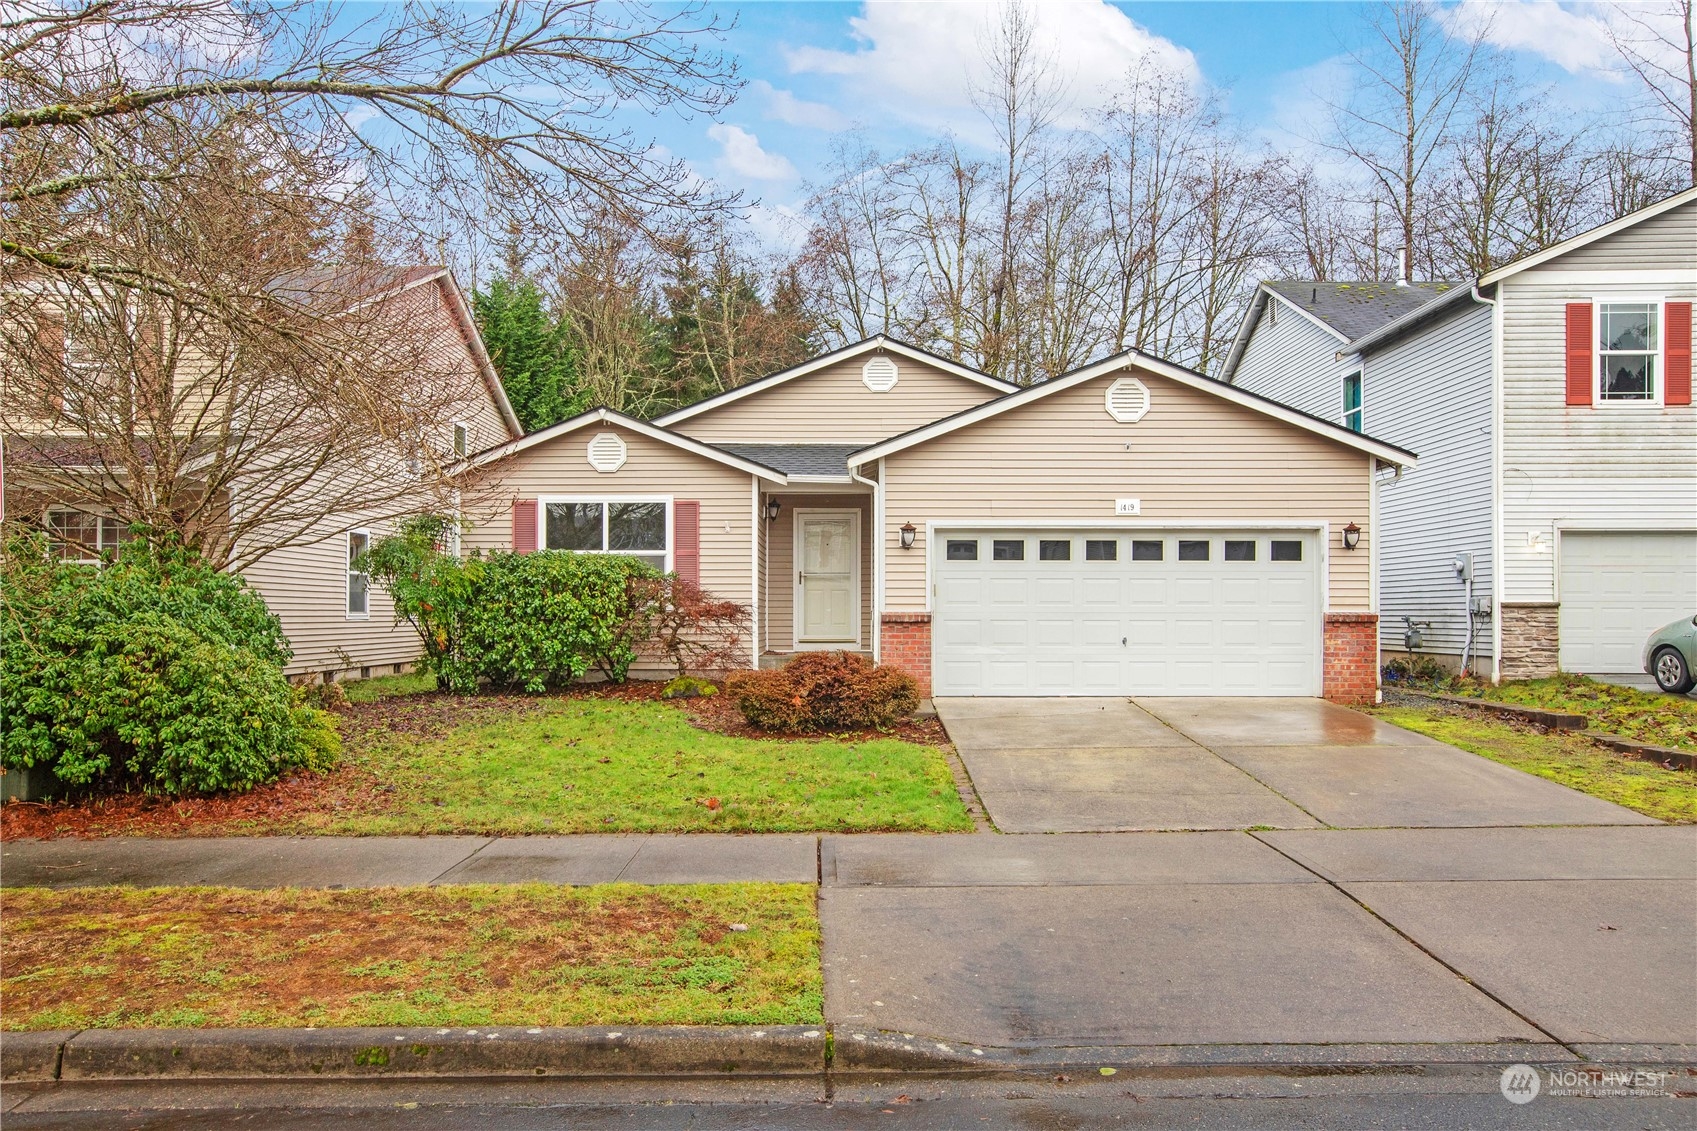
899	72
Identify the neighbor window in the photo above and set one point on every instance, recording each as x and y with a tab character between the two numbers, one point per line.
462	439
1626	364
962	550
1101	550
1192	551
1352	402
1054	550
359	582
1007	550
1240	551
77	536
1152	550
1283	551
606	526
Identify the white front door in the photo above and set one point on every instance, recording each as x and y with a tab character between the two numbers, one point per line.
827	555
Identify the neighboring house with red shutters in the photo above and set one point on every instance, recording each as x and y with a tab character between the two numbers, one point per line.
1550	401
1131	527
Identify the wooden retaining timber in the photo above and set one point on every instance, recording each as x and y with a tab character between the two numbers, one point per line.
1563	720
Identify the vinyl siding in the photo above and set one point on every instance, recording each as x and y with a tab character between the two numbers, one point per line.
1619	466
779	596
1293	361
1431	393
832	406
306	586
1194	456
652	468
1661	243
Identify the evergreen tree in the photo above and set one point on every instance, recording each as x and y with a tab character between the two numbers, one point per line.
532	351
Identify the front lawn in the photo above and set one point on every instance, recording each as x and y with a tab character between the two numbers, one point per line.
598	760
534	955
1561	756
1664	720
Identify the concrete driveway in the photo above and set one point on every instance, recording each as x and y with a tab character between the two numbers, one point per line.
1118	765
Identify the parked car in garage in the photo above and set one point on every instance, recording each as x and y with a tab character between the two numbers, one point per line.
1671	654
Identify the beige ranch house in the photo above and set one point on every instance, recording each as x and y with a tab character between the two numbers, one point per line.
1130	528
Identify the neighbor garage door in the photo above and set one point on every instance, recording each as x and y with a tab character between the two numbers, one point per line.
1205	612
1616	589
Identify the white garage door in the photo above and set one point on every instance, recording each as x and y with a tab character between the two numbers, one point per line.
1118	613
1616	589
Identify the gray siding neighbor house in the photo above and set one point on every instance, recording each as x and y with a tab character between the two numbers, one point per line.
1552	522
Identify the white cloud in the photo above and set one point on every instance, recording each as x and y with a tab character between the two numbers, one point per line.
741	156
921	61
784	106
1572	36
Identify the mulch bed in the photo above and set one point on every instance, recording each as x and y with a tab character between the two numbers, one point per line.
352	788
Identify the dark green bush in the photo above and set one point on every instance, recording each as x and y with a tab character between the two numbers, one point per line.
153	670
526	621
824	691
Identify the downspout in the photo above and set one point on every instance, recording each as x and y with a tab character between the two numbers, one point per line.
877	618
1497	570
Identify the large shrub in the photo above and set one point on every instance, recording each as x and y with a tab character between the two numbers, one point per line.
527	621
153	670
824	691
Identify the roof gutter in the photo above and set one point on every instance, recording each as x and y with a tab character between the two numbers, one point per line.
1395	328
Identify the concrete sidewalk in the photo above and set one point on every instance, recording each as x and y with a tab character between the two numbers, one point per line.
358	862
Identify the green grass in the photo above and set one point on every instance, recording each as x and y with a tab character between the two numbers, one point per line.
1655	791
388	686
585	764
1665	720
473	955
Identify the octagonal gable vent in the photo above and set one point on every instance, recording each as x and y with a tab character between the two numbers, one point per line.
879	374
607	452
1128	400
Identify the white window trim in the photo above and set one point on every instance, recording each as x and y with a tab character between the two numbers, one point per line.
348	573
542	502
1597	398
798	644
455	430
100	518
1360	409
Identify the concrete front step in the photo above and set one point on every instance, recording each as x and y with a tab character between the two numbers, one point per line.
770	660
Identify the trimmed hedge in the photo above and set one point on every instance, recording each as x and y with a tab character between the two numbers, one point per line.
153	670
824	691
520	621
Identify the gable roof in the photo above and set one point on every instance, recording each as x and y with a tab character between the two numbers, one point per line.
879	343
1602	231
1354	308
1389	453
612	416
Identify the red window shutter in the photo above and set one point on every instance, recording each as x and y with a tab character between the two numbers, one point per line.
1676	345
524	525
686	540
1579	353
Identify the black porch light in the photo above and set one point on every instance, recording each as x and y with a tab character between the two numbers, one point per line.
771	510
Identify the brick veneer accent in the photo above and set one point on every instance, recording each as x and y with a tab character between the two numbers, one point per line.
1351	657
1531	640
904	641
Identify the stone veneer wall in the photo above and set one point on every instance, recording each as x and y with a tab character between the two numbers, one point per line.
1531	640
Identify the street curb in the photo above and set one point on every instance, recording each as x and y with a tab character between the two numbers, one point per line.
493	1051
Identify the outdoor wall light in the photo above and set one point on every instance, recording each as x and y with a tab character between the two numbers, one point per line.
908	531
1351	536
771	510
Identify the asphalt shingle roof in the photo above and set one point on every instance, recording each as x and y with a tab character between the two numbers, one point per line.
797	459
1355	309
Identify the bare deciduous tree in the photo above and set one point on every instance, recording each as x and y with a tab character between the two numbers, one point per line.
1661	50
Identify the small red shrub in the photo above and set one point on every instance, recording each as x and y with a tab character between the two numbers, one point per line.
824	691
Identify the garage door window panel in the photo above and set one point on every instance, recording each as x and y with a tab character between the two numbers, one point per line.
1101	550
1148	551
1054	550
1189	551
1285	551
1240	550
1008	550
961	550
